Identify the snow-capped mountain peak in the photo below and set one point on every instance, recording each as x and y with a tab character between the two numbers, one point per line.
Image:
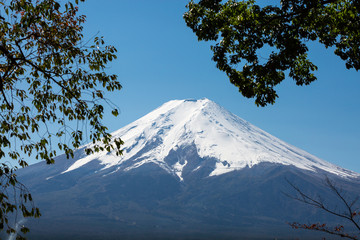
217	134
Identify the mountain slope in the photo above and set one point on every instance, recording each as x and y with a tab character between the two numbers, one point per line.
216	134
190	170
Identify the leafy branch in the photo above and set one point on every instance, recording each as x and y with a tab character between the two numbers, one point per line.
49	81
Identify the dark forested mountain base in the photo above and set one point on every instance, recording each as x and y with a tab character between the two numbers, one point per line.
148	203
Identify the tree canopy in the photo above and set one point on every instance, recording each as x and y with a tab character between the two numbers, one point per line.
243	31
52	83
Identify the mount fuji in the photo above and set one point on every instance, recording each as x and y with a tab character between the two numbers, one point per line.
189	170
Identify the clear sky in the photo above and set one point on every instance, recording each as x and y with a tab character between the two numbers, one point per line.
160	59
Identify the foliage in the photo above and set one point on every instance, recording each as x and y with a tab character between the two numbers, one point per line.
49	78
243	31
350	212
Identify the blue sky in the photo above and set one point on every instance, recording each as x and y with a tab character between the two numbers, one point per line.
160	59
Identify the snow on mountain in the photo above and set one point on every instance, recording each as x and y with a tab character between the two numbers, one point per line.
216	133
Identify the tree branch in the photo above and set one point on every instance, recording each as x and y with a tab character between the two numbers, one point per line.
349	215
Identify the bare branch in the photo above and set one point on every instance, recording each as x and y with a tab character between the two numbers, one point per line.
349	215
